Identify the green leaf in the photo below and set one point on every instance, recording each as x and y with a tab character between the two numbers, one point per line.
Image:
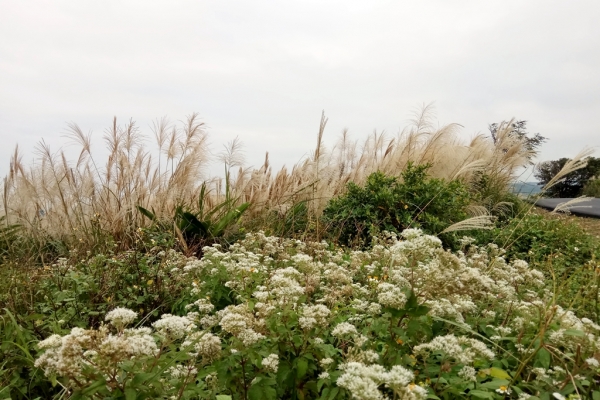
596	395
499	373
333	393
320	384
141	378
223	397
130	393
262	390
94	387
480	394
495	384
146	213
543	358
301	367
574	332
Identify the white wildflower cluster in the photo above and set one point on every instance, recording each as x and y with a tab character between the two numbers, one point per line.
363	382
344	330
173	327
390	295
312	316
336	302
241	323
285	287
468	373
463	349
182	371
271	363
205	345
593	362
121	317
204	306
326	362
68	355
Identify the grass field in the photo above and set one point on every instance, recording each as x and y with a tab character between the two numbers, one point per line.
398	269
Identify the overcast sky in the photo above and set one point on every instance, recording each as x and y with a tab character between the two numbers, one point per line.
264	70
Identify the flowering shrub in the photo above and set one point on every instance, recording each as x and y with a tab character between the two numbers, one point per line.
280	318
559	248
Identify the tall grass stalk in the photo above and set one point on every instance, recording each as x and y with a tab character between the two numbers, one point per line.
77	199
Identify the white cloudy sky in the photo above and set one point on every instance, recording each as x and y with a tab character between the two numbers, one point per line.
264	70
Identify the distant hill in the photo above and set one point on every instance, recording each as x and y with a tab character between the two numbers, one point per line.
526	188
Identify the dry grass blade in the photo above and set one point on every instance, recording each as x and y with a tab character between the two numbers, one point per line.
480	222
477	210
567	205
71	194
579	161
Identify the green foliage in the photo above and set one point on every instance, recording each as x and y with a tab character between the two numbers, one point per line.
573	183
360	334
535	238
388	204
562	250
201	227
18	378
592	187
292	221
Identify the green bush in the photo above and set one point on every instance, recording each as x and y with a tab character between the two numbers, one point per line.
564	251
534	238
386	203
201	227
592	188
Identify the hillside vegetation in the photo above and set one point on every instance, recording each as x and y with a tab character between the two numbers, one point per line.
400	268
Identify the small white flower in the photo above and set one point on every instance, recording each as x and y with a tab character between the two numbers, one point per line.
504	390
121	316
592	362
324	375
326	362
344	329
467	373
172	326
271	363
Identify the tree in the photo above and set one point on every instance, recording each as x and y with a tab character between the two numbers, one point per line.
573	183
519	129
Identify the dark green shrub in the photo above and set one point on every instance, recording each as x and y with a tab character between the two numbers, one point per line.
592	188
202	227
387	203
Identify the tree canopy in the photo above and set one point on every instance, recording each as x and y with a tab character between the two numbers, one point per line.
519	129
573	183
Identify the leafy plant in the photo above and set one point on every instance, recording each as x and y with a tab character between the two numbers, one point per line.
386	203
561	249
592	187
405	319
202	227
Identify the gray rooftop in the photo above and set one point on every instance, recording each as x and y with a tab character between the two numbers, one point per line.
588	208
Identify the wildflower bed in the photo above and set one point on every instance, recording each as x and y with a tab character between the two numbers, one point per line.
280	318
